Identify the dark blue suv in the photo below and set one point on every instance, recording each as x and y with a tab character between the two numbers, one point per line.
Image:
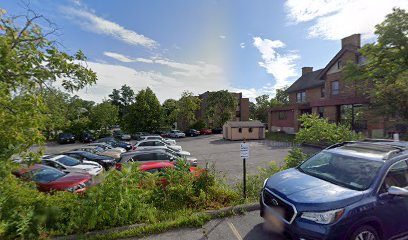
352	190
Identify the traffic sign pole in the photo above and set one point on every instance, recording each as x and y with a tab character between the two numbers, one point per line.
244	152
244	178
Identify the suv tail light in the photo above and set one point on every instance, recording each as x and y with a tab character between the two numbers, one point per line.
118	166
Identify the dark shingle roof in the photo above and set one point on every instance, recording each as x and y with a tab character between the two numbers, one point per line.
245	124
308	80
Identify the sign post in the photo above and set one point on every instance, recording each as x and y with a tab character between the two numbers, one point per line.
244	152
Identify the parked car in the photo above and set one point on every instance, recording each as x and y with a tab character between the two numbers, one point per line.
49	179
205	131
161	166
66	138
157	137
69	164
146	144
100	151
216	130
136	136
176	134
107	147
86	137
351	190
192	133
154	155
114	143
104	161
125	137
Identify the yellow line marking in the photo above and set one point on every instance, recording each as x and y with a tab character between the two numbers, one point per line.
235	231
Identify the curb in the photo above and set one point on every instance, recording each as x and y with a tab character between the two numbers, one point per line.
218	213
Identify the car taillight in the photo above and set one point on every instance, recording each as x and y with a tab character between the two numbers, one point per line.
133	148
118	166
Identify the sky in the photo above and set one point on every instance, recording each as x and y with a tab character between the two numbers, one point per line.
253	47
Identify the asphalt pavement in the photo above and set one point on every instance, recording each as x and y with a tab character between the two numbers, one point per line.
249	226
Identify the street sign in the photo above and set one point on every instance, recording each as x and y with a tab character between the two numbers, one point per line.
244	150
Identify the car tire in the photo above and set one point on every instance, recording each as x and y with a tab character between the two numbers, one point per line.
365	233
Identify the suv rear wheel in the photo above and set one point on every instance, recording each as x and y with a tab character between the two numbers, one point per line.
365	233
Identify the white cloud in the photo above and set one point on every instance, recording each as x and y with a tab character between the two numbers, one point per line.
242	45
280	66
118	57
223	36
90	22
336	19
112	76
200	69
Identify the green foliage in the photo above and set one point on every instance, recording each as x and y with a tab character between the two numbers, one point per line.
294	158
169	112
318	131
280	137
187	106
144	114
384	76
263	104
28	63
221	107
200	124
122	98
262	107
104	115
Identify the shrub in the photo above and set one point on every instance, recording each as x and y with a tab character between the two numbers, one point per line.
200	124
294	158
319	131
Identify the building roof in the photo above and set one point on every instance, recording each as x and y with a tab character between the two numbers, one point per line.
241	124
307	80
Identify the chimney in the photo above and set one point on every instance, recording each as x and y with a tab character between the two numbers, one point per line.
354	40
306	70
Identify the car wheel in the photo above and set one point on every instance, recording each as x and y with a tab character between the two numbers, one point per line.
365	233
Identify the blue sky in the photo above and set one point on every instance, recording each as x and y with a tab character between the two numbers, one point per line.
249	46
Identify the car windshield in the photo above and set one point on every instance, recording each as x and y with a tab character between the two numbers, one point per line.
46	174
346	171
89	155
68	161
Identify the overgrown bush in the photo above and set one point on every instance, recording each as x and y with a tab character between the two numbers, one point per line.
200	124
294	158
124	197
319	131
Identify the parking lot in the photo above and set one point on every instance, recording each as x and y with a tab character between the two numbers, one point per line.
249	226
212	150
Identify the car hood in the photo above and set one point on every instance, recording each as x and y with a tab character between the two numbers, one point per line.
175	147
184	153
310	193
71	179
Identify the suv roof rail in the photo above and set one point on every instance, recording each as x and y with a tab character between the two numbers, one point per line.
339	144
377	140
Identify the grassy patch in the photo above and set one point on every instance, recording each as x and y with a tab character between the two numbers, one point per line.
280	137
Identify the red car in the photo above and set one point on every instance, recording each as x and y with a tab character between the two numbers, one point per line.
205	131
153	167
48	179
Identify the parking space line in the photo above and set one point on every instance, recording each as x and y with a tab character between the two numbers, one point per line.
235	231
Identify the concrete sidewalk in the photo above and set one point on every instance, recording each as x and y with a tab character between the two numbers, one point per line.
249	226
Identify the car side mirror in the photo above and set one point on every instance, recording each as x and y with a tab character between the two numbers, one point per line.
397	191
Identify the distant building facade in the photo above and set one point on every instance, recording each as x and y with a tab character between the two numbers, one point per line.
241	112
243	130
326	93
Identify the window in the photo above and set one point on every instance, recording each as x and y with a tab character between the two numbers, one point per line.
322	92
397	176
68	161
163	156
240	130
144	144
301	97
335	87
159	144
250	129
282	115
320	111
144	157
339	64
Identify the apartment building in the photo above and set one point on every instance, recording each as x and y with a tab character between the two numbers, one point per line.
241	112
326	93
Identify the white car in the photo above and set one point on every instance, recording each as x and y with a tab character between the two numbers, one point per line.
69	164
176	134
153	144
126	137
157	137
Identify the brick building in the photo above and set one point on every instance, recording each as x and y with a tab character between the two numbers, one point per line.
241	113
326	93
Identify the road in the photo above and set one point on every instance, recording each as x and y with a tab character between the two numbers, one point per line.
249	226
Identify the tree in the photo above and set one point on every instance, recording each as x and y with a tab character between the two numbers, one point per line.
104	115
169	112
144	114
252	110
122	98
187	106
221	107
29	62
383	76
281	97
262	107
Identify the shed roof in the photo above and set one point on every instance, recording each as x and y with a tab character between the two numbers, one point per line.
244	124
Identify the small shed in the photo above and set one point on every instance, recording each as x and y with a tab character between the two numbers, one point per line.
240	130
